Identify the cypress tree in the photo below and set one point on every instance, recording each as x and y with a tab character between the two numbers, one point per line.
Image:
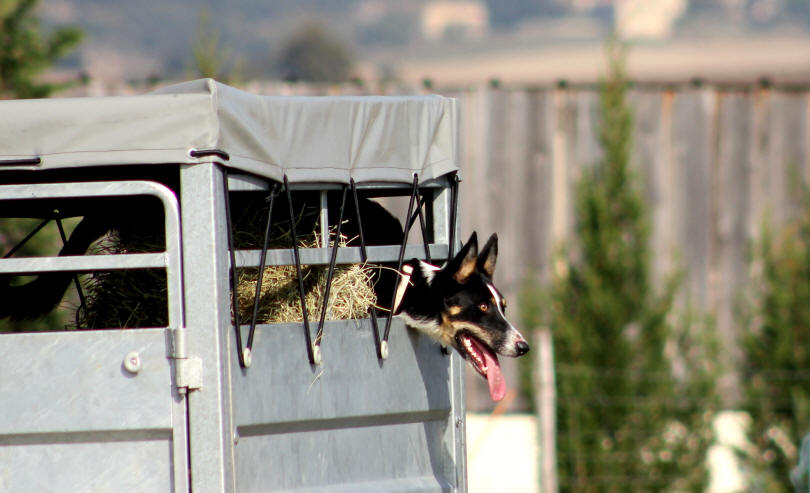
624	421
777	355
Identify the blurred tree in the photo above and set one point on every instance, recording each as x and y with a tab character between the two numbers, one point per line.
625	421
25	51
313	55
210	57
777	355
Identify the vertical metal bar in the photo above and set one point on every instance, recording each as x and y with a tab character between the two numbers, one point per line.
206	269
256	298
331	272
234	279
422	225
364	257
453	215
324	219
301	292
414	193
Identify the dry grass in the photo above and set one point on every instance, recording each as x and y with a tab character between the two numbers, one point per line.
351	295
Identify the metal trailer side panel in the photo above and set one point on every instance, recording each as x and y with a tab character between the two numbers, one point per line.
351	423
74	419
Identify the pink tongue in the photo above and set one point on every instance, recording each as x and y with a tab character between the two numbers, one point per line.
497	385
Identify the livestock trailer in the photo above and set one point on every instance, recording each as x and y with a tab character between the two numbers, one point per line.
196	398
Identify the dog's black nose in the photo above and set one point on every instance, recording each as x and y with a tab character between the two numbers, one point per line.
522	348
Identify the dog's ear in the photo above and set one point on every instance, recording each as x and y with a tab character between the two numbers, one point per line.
463	264
488	256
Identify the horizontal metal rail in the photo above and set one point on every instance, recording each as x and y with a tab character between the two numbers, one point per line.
345	255
84	263
251	183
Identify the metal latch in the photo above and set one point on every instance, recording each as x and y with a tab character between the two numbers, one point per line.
188	370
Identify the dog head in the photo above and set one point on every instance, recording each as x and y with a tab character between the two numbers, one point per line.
459	306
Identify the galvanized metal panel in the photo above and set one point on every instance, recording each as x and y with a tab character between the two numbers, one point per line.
89	463
350	421
282	387
372	458
75	381
74	418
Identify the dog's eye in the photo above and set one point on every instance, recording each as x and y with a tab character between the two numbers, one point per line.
483	307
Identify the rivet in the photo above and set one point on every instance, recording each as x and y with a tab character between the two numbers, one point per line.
247	357
132	362
316	354
384	350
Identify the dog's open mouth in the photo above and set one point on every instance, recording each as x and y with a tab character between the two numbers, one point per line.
485	362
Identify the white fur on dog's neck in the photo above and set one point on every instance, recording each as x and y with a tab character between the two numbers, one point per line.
428	272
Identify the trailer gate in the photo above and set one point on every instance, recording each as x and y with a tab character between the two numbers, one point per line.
102	401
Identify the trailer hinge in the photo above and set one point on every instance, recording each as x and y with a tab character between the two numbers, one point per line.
188	369
189	374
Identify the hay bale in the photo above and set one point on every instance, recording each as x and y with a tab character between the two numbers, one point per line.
351	295
125	298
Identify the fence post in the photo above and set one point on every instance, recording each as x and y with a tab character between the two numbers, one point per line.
546	411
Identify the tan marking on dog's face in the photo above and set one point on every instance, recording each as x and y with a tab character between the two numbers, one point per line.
454	310
452	327
447	333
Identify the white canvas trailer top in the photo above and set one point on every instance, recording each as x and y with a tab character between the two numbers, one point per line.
308	139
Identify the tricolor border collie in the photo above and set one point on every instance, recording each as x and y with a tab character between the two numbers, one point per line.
459	306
